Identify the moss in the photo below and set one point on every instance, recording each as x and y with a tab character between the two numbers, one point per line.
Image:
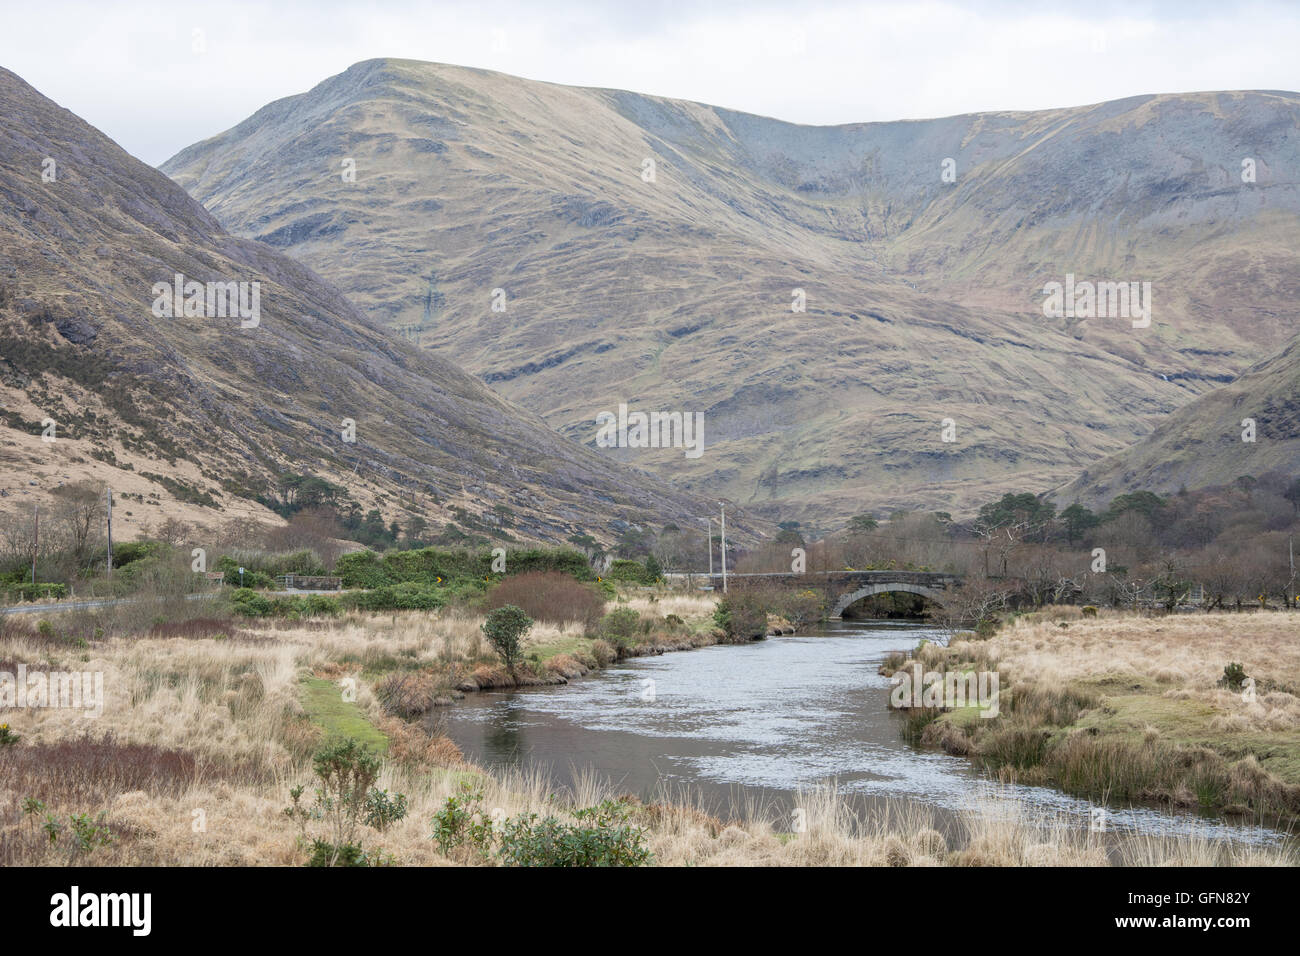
325	706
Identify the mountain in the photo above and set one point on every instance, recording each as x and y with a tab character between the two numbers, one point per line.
198	417
647	251
1207	442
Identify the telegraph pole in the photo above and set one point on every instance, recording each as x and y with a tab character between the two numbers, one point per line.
108	494
36	542
724	547
708	544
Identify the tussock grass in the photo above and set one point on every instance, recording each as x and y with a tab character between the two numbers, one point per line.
198	723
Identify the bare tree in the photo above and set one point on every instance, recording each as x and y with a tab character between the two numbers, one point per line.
79	508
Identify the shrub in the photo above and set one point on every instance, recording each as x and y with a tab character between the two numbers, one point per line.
383	811
460	822
454	566
549	596
619	628
37	592
633	572
407	596
505	628
248	603
602	837
324	853
1089	610
345	797
742	616
1234	676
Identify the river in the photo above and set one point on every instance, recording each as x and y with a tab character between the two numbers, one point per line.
740	728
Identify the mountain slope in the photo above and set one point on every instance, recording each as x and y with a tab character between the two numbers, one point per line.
199	415
1202	443
924	297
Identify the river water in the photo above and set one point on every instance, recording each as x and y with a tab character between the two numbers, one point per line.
742	728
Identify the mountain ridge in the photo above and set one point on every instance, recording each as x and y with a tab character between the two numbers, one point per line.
677	292
215	412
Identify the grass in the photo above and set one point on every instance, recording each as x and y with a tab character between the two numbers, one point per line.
230	725
1129	708
323	701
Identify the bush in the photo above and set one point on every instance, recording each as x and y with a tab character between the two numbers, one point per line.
453	566
602	837
632	572
37	592
461	822
1234	676
742	616
549	596
619	628
408	596
306	605
248	603
505	628
345	797
324	853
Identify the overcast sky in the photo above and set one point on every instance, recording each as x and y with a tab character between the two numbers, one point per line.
159	76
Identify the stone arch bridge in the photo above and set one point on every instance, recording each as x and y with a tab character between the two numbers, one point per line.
849	587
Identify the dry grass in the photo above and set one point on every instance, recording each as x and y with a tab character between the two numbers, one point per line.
1128	708
203	728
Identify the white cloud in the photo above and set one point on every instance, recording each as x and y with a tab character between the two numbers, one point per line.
132	70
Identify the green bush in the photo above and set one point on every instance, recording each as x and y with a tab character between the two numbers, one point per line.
1234	676
620	628
602	837
306	605
37	592
461	822
252	577
454	566
631	572
408	596
248	603
505	628
126	552
324	853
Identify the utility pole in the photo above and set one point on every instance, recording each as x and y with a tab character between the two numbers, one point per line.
708	544
108	494
36	542
724	547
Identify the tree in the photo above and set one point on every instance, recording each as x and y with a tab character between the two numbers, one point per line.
79	508
416	527
865	522
1025	511
505	628
1077	520
1146	503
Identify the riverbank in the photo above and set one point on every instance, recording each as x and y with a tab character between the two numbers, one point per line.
1123	708
205	730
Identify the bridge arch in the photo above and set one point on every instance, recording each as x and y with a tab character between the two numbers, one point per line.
852	597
